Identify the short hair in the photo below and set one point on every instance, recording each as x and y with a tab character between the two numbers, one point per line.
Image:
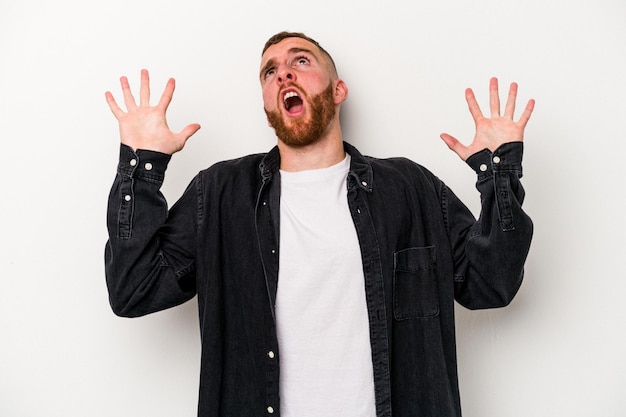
284	34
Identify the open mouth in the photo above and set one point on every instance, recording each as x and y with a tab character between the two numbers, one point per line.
292	102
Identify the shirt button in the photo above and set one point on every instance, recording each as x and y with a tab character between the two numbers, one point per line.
270	410
496	159
127	197
133	162
148	166
270	354
364	184
483	167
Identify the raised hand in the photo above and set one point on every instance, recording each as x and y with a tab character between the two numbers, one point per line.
143	126
496	130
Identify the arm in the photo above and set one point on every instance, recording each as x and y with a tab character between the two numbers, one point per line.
490	253
149	258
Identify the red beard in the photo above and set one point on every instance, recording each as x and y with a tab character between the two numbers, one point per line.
305	132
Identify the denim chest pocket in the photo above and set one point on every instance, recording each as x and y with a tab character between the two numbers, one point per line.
415	284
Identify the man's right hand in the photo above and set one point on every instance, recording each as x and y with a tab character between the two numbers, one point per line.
145	127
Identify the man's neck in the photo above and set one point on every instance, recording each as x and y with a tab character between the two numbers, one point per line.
324	153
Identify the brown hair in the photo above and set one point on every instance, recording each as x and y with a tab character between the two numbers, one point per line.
283	35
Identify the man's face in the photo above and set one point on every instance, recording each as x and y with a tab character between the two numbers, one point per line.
298	91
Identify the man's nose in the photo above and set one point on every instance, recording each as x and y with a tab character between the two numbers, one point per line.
285	73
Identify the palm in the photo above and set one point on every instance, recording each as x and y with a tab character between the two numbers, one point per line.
145	127
496	130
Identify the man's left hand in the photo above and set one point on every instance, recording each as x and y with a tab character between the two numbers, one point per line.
496	130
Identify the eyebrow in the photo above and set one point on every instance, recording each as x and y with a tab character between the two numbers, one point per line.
269	64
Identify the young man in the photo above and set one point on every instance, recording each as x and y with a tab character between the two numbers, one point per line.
325	279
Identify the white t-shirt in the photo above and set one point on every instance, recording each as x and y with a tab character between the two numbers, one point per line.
321	312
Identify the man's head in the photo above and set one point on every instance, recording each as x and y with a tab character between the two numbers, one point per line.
283	35
301	90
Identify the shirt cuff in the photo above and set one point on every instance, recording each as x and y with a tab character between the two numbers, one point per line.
142	164
508	157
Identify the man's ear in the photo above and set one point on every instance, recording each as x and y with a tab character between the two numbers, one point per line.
340	91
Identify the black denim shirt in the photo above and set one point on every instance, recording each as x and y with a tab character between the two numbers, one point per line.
421	250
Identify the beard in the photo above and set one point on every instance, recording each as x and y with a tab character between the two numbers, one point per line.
305	132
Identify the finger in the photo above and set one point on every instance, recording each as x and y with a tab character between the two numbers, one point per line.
144	89
455	146
472	104
528	111
184	135
509	109
168	93
189	131
129	100
115	109
494	97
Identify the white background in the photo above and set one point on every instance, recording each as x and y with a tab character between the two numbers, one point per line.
558	350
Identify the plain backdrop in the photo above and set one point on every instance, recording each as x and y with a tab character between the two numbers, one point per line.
557	350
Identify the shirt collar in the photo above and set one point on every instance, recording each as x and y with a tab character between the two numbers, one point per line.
360	168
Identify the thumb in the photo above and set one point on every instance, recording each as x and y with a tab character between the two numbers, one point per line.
455	146
189	131
180	139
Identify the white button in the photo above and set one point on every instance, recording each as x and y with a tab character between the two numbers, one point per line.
148	166
270	354
273	251
270	410
133	162
483	167
496	159
127	197
364	184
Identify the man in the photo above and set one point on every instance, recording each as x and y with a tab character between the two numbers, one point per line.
325	279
